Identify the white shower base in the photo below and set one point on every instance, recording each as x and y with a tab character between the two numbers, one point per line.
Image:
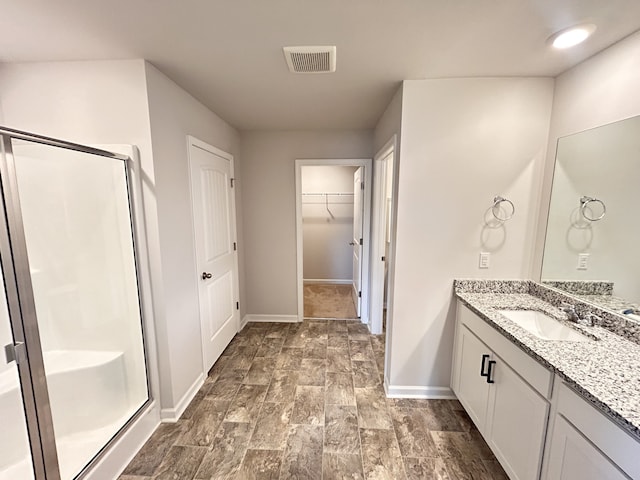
88	395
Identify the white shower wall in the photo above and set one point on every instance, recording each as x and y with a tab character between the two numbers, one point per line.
327	253
67	196
5	334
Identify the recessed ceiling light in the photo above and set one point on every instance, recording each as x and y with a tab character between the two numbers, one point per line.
572	36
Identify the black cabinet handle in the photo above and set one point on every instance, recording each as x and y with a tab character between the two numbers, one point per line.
484	360
490	371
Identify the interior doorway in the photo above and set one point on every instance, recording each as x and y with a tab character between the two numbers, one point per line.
382	236
333	211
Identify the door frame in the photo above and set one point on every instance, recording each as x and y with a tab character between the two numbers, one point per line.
197	143
367	164
378	235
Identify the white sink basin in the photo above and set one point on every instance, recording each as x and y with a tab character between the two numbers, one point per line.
543	326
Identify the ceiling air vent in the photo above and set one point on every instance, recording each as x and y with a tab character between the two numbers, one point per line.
311	59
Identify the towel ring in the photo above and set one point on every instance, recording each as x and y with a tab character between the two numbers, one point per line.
584	201
497	200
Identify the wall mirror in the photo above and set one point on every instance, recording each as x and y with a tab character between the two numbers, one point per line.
593	230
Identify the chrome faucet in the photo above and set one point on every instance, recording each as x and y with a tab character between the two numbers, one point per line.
592	319
570	310
589	320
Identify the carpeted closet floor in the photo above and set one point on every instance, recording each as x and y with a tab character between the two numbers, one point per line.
328	301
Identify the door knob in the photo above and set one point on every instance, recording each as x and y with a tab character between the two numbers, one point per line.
206	275
352	243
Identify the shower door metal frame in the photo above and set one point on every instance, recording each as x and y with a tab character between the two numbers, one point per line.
22	312
22	315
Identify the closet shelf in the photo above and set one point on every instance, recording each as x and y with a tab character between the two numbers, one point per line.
327	198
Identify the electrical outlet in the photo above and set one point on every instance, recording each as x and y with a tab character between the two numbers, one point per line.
583	261
484	260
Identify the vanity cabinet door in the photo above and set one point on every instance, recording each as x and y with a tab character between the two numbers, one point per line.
472	389
573	457
516	423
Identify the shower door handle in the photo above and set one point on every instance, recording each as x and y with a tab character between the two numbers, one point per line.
14	352
206	275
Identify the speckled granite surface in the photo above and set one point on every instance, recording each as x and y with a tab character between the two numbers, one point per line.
605	371
582	287
610	302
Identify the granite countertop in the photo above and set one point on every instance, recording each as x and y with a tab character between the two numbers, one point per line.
606	371
611	302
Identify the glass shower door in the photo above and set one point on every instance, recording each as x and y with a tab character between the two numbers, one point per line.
79	243
15	454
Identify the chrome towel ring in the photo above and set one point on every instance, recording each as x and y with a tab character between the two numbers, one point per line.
498	200
585	201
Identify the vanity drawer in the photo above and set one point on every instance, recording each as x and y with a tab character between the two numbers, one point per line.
529	369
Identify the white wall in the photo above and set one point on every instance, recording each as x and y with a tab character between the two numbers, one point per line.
327	254
600	90
602	163
268	200
389	123
174	114
89	102
463	141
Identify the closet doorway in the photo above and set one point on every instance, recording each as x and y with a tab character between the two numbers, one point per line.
333	199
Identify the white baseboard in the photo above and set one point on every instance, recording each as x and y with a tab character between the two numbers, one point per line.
331	281
121	452
253	317
171	415
409	391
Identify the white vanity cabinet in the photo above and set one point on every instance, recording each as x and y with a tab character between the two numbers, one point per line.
535	424
585	444
505	392
573	457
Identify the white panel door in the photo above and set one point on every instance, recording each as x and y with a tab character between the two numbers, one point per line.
356	242
215	234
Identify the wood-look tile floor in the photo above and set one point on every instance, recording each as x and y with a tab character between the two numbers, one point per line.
305	401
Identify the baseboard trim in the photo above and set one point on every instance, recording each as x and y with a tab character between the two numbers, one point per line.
172	415
409	391
116	458
253	317
330	281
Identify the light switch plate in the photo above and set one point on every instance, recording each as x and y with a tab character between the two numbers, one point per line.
583	261
484	260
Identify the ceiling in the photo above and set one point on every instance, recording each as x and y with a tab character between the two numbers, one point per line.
228	53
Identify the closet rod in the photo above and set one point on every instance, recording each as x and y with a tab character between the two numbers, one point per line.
327	193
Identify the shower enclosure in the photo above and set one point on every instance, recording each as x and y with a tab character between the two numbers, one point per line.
73	372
